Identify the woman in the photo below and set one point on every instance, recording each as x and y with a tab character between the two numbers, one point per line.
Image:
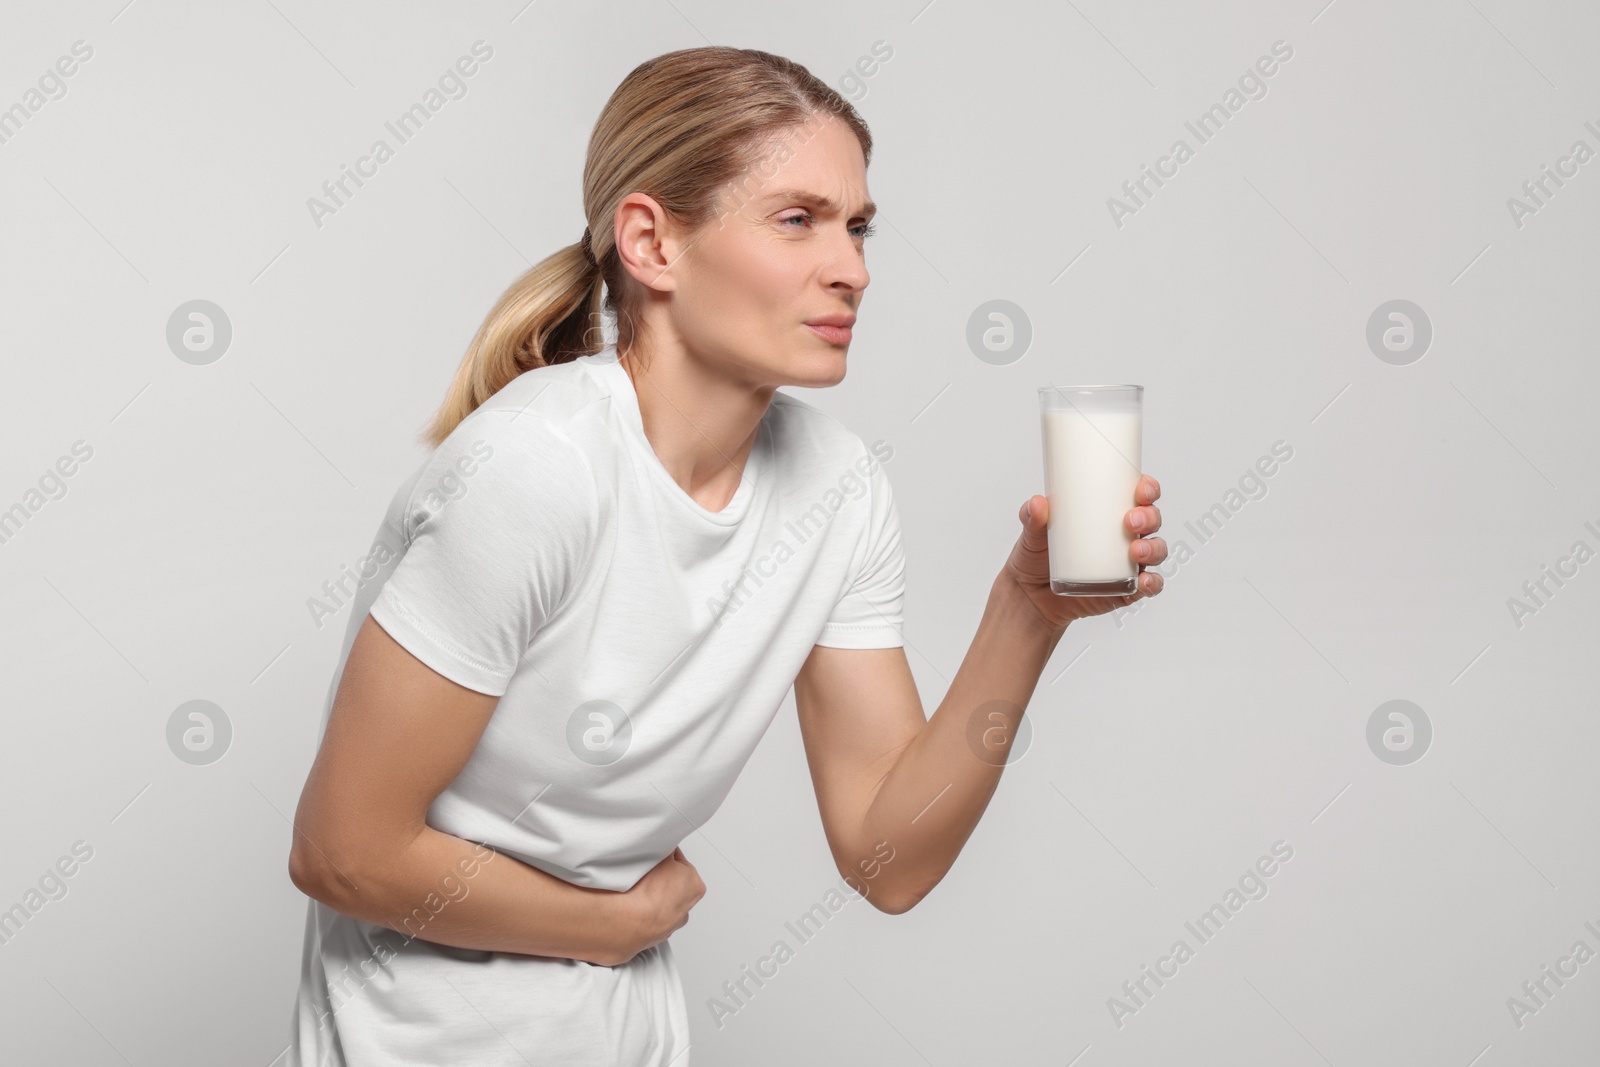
617	561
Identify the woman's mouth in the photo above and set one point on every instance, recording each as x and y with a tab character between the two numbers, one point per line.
834	335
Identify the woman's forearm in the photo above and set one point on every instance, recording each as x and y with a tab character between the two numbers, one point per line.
939	786
444	889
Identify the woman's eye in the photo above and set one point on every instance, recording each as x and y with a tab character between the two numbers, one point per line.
866	229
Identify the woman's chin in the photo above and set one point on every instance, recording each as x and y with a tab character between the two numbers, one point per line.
818	372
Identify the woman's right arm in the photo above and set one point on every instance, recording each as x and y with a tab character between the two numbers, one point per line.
398	734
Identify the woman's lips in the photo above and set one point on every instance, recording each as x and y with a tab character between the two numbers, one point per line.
834	335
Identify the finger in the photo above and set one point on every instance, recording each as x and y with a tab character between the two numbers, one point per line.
1034	514
1147	491
1148	551
1144	520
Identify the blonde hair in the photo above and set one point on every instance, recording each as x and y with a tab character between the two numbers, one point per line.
680	128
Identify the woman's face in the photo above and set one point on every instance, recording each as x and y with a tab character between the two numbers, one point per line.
785	249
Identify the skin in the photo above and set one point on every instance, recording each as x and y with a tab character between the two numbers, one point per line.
724	309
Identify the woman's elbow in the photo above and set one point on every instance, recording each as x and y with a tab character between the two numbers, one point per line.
306	870
315	874
892	904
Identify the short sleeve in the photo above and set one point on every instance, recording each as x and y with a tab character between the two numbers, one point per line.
498	527
870	609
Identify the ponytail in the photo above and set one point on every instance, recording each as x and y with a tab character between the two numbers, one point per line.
550	314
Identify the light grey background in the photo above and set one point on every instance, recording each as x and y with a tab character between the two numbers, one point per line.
1171	747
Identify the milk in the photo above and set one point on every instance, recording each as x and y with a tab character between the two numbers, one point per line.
1092	467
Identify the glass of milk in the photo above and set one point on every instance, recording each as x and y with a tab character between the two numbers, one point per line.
1092	435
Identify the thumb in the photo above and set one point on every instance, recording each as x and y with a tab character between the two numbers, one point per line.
1034	516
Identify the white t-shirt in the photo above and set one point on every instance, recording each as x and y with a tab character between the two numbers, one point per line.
640	645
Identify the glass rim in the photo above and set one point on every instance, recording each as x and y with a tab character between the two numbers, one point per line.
1083	388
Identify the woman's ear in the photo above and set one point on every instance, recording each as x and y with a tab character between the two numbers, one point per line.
648	242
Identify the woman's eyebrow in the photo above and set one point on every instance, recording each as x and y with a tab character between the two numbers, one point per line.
800	196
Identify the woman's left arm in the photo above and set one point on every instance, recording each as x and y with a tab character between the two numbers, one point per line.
900	794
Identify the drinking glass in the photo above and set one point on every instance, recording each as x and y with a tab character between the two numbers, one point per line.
1092	436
